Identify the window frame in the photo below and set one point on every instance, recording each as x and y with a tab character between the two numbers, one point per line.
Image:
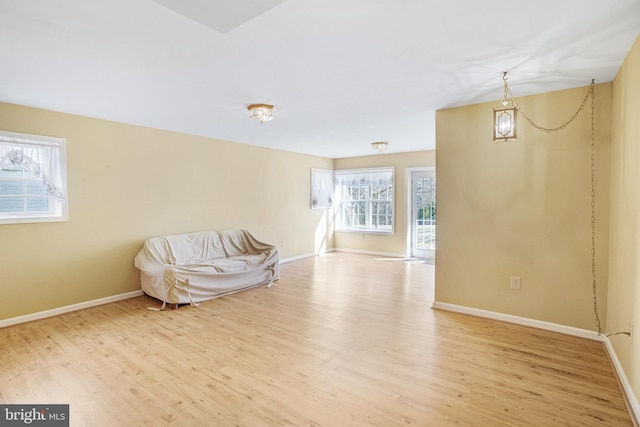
58	206
368	201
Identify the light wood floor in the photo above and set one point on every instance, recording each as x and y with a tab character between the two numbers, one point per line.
344	340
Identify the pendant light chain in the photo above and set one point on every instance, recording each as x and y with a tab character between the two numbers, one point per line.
593	218
593	209
590	94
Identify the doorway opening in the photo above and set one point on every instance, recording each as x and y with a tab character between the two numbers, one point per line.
421	232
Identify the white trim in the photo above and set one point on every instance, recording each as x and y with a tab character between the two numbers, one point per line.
408	175
525	321
373	169
337	174
632	402
58	206
357	251
353	251
68	309
296	258
31	139
366	231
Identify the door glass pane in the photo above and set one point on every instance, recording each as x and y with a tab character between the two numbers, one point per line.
426	212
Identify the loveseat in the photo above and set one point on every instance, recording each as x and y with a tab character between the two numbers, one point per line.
194	267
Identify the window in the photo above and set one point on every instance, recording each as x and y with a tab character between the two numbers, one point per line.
365	200
32	178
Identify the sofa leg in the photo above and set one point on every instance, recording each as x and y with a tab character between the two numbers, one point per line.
173	306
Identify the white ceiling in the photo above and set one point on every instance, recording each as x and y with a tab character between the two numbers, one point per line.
341	73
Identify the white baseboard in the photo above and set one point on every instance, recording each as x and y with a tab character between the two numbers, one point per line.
631	400
353	251
93	303
296	258
357	251
584	333
68	309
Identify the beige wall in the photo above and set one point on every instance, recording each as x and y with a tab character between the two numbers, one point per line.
395	244
128	183
523	209
624	269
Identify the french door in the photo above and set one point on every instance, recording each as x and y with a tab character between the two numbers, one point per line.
422	219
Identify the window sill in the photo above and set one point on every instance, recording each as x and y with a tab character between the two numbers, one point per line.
365	231
34	219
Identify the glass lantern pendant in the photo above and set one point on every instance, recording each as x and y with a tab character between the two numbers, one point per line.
505	120
505	116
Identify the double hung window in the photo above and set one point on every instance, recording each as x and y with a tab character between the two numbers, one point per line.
365	200
32	178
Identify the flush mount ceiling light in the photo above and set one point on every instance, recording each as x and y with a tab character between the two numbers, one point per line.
261	112
505	116
379	146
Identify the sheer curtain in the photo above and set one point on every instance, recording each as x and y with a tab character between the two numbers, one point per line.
381	177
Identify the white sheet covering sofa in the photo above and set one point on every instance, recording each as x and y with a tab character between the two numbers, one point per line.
194	267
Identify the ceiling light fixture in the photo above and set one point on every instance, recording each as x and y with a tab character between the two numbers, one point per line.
261	112
505	116
379	146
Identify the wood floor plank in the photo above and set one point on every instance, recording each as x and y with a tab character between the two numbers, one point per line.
343	340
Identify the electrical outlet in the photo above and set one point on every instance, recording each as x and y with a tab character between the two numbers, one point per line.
515	283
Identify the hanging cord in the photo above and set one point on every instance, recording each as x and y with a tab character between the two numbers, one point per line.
593	204
590	94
